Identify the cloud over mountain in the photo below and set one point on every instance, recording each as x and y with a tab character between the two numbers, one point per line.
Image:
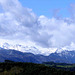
18	22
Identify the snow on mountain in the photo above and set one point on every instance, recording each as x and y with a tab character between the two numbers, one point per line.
27	48
21	48
34	49
65	53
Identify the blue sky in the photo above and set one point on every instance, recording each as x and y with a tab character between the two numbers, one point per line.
47	7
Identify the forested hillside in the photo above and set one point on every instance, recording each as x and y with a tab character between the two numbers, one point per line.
18	68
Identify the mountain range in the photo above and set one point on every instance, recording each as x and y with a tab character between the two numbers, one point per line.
18	56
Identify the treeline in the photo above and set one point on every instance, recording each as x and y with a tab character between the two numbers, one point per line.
19	68
53	63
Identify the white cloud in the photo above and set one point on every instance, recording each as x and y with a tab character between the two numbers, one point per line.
16	19
20	23
62	32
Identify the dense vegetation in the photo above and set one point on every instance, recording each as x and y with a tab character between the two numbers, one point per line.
63	66
18	68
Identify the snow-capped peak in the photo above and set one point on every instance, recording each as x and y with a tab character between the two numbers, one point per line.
21	48
34	49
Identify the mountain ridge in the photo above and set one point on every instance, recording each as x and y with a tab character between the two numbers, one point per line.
18	56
